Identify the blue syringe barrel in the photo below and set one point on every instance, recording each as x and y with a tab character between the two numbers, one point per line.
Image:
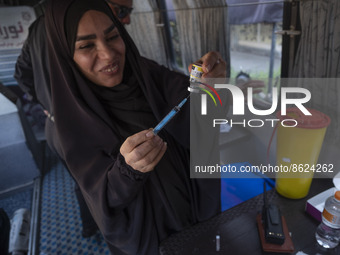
169	116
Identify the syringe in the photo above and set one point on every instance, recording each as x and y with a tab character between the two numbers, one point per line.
169	116
195	78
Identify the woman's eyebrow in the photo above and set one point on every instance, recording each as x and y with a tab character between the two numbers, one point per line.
108	30
86	37
93	36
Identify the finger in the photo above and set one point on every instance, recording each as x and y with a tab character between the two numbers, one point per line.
209	60
219	70
133	141
142	150
148	161
213	65
148	164
190	67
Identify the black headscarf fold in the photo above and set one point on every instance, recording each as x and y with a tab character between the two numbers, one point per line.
73	16
126	105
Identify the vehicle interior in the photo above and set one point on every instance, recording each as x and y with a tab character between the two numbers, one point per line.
286	44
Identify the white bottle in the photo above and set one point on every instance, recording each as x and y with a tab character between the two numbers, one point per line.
20	230
328	232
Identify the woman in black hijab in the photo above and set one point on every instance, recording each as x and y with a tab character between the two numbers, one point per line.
105	99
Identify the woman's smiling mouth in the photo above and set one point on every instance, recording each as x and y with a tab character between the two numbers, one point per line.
110	69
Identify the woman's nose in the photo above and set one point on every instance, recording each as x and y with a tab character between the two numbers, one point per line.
105	51
126	20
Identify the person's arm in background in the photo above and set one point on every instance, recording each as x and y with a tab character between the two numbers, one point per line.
24	70
31	70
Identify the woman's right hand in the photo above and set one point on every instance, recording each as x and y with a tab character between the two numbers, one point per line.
142	151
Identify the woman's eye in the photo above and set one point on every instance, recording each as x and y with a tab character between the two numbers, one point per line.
112	38
86	46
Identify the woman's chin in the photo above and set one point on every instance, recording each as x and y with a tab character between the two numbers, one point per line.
111	82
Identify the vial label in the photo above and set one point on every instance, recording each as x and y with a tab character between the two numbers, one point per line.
331	220
196	73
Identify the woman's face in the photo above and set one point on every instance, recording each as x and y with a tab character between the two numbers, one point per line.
99	49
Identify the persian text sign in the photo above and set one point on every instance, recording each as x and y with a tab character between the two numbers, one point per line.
14	24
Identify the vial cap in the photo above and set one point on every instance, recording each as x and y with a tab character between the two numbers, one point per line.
337	195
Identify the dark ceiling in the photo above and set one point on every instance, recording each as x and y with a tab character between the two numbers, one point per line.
19	2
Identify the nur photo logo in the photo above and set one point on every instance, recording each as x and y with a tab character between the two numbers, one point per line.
204	87
301	96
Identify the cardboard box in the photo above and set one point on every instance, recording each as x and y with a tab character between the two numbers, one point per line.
315	205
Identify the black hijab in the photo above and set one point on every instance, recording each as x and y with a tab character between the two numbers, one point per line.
125	102
74	90
90	140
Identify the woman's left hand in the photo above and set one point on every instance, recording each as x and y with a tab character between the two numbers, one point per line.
213	65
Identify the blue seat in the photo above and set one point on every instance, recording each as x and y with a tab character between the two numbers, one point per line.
239	187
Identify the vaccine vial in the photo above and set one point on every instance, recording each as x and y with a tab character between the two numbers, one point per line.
195	77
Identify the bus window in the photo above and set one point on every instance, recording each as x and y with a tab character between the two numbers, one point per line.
253	46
